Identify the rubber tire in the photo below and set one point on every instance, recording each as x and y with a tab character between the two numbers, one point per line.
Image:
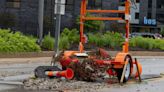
119	71
40	71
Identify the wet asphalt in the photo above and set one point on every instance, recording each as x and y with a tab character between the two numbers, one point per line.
12	75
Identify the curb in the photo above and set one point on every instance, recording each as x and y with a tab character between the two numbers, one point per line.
51	53
27	54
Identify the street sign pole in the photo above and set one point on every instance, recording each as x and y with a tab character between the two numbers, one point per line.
57	30
40	20
59	10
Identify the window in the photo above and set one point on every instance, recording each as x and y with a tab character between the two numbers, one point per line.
13	3
69	5
121	16
160	4
122	2
149	3
137	1
136	15
149	15
95	3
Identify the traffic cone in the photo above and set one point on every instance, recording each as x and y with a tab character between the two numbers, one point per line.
135	72
69	74
140	70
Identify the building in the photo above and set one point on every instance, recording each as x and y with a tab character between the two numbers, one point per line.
147	16
19	15
22	15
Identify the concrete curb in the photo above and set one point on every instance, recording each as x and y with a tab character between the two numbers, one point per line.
51	53
27	54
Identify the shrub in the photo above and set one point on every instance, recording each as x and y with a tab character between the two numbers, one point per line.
73	35
109	39
91	25
92	38
16	42
48	42
64	43
159	44
67	38
162	31
147	43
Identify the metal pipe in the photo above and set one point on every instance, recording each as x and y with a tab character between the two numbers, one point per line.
57	27
40	20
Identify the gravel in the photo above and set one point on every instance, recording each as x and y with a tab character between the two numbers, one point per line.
63	85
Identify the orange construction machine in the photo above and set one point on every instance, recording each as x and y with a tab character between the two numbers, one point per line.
91	65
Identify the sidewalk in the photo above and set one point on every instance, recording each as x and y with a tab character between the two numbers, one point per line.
25	60
48	59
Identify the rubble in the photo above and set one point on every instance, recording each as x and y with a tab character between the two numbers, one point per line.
61	85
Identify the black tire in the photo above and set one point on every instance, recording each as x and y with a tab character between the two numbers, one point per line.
40	71
119	71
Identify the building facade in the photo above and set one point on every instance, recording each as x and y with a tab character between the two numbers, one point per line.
150	16
22	15
19	15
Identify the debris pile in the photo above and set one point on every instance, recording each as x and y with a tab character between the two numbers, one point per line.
62	84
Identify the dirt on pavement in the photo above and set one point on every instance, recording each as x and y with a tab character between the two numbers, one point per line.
63	85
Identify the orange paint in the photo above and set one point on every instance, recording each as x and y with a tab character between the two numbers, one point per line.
105	11
83	17
50	73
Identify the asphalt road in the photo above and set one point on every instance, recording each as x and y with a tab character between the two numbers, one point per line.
12	72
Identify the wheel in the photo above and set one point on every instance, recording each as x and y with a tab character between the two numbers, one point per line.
127	71
40	71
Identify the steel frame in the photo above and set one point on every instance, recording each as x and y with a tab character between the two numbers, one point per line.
83	18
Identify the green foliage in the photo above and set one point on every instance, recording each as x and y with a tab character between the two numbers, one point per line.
67	38
64	43
109	39
48	42
159	44
162	31
73	35
91	25
16	42
147	43
113	40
